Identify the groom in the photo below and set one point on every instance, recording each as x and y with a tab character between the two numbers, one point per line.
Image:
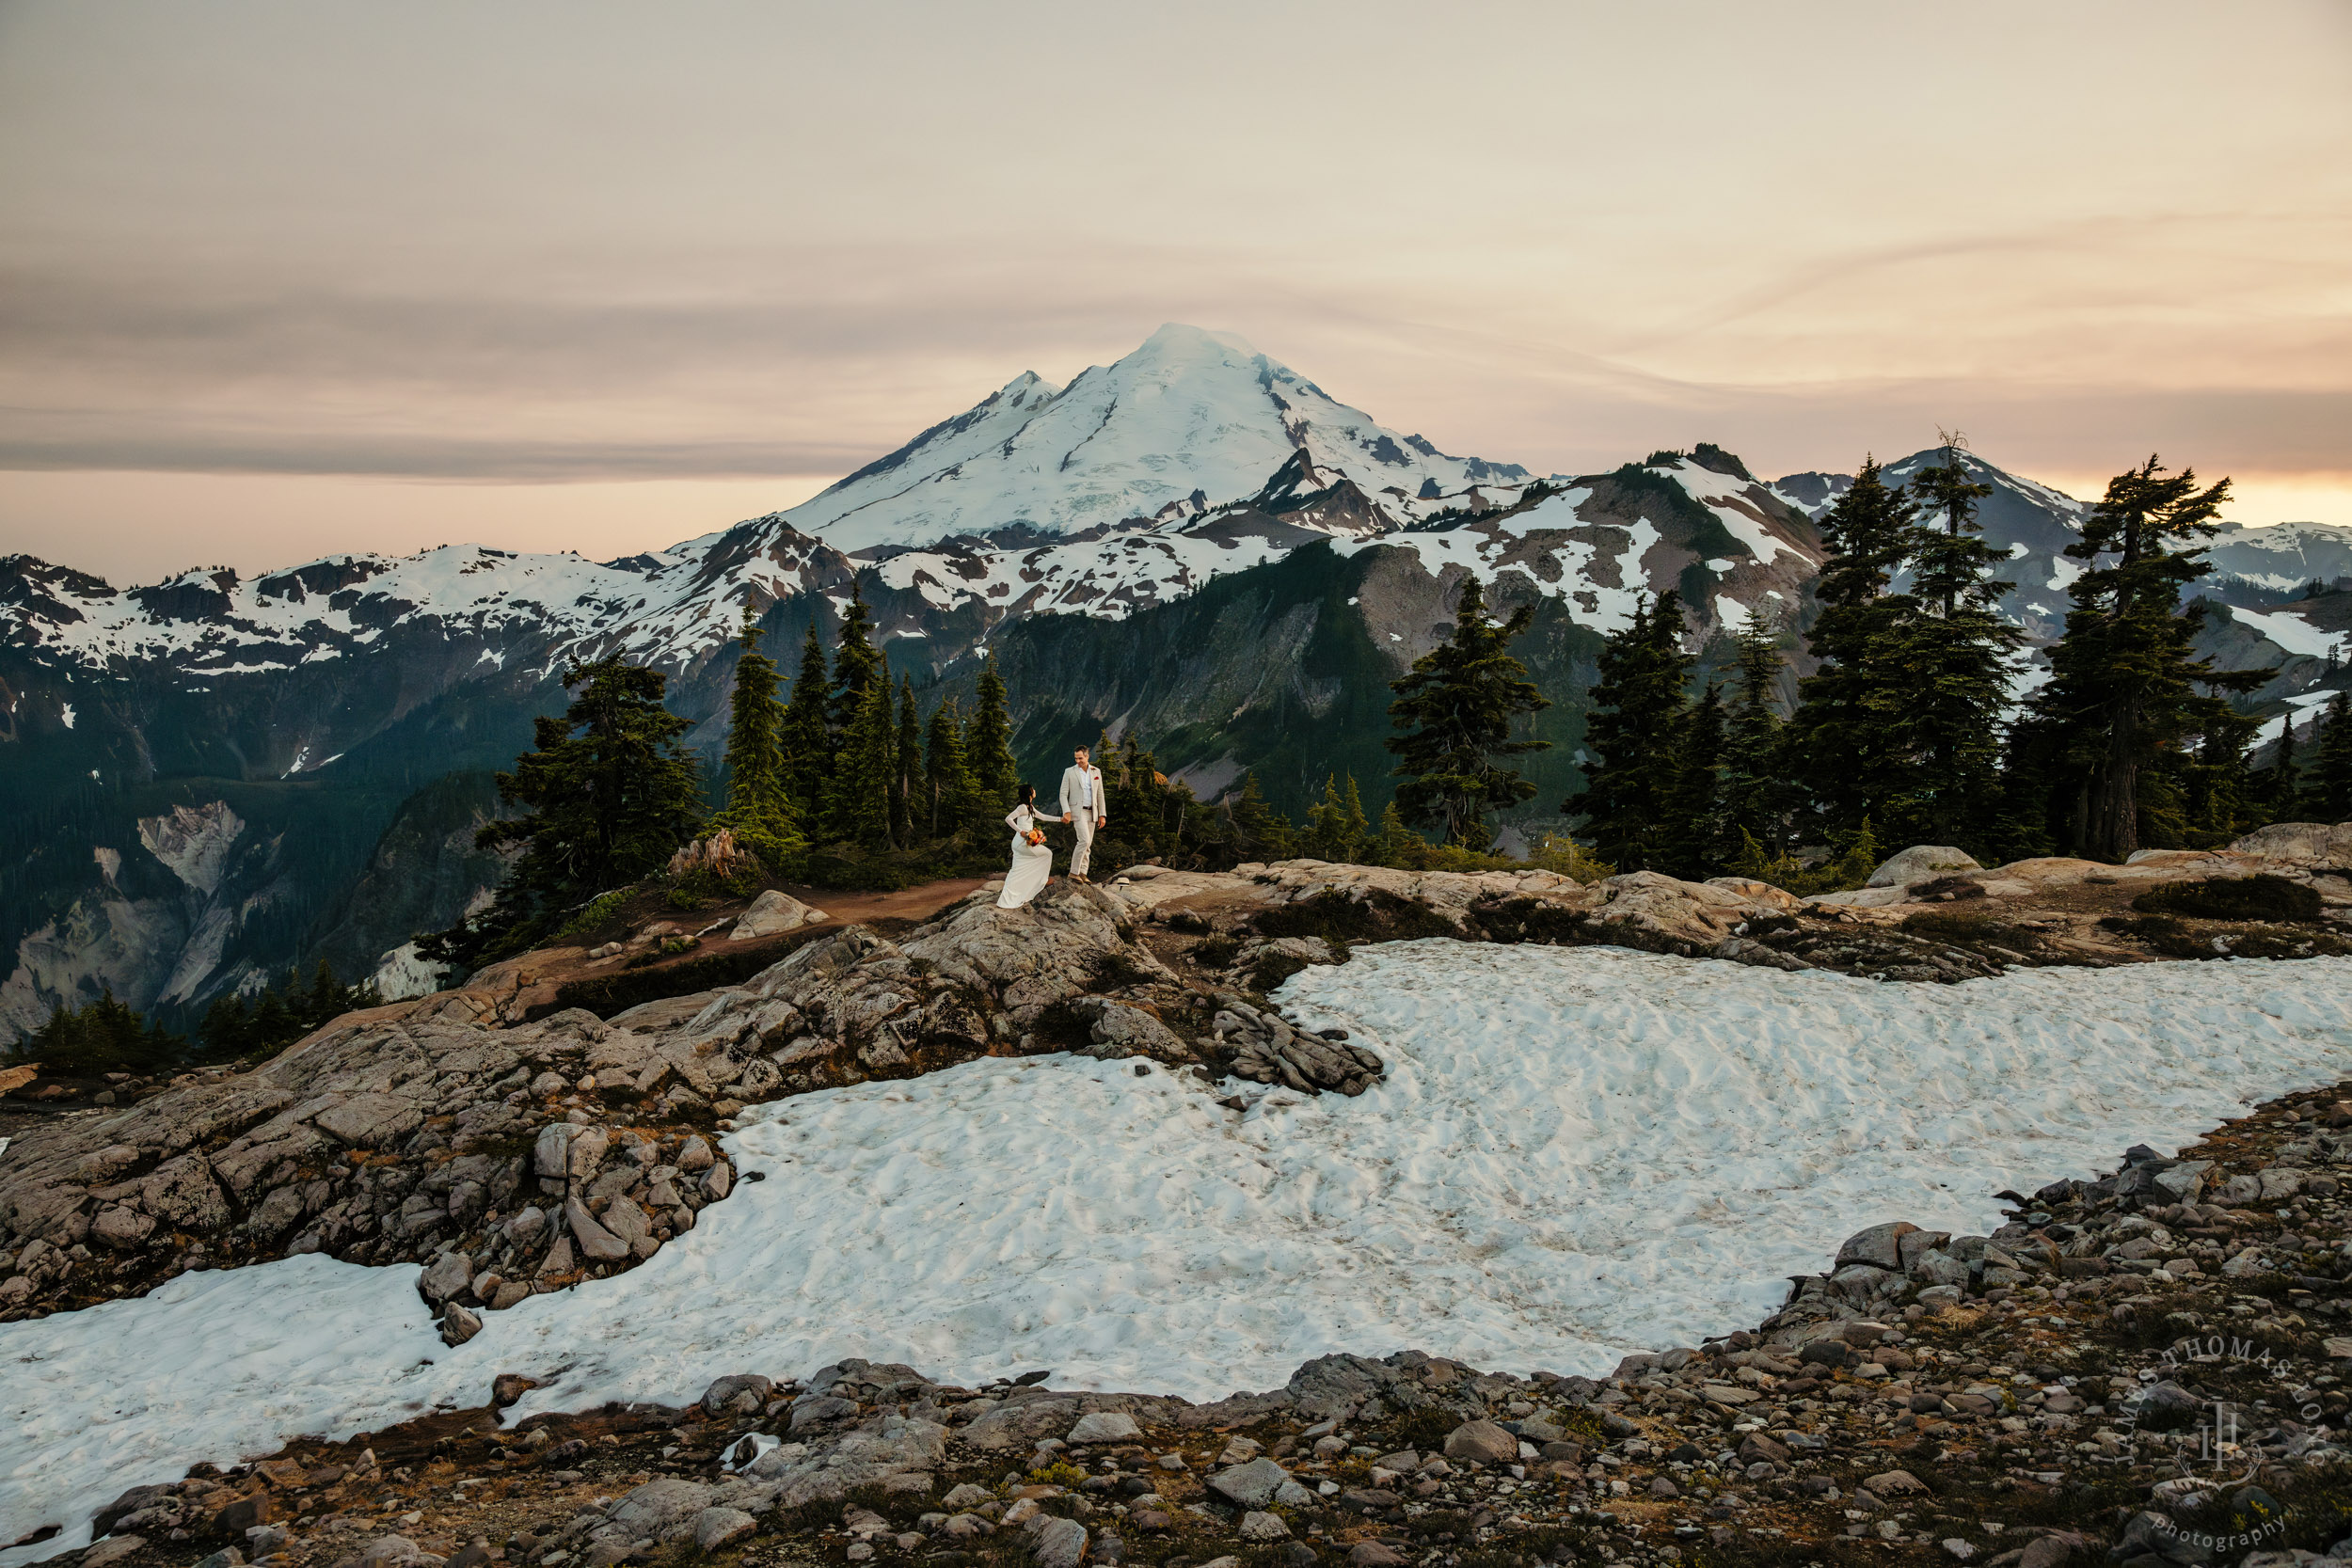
1082	804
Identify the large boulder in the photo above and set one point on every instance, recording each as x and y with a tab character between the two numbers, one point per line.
1922	863
1879	1246
772	913
2299	844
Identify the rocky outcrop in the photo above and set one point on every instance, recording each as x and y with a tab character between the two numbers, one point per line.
510	1157
2312	853
416	1133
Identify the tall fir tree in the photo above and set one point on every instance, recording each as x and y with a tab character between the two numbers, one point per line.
2123	689
1950	561
1943	667
1841	752
906	769
2327	793
856	666
949	790
759	809
608	792
1696	832
1634	738
1459	706
2282	781
806	738
1755	795
858	809
988	744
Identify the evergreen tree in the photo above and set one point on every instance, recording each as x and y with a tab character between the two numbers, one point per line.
1696	832
1949	563
806	739
1260	831
2282	782
325	1001
858	807
1140	801
2327	795
1397	844
1840	748
949	791
272	1023
2218	789
988	744
1941	671
1753	794
759	809
2123	687
1633	738
1337	830
906	772
606	797
856	666
226	1032
1457	705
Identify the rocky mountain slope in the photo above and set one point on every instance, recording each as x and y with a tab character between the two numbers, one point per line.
1195	543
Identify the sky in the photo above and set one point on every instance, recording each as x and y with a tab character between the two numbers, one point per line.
278	281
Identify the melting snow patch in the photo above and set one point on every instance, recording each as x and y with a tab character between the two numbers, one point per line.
2290	632
1576	1152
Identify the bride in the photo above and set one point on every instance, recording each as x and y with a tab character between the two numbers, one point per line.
1032	861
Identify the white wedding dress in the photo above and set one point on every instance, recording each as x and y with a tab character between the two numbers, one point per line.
1032	864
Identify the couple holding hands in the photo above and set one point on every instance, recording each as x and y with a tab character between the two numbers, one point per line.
1032	861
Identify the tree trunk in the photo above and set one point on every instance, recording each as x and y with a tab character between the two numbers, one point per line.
2111	828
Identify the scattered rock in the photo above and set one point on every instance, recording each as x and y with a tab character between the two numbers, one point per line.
1483	1441
1263	1526
715	1527
1105	1426
1055	1543
1251	1486
459	1324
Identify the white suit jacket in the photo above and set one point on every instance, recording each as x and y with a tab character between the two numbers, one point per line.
1071	788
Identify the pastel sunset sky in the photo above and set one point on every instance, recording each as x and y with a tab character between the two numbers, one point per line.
279	279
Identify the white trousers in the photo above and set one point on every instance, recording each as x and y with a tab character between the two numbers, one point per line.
1083	823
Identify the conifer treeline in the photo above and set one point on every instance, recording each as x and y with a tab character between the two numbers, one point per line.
848	761
1910	731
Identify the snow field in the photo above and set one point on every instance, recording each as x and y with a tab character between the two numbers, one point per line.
1577	1152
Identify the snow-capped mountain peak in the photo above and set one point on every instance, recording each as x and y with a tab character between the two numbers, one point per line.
1190	420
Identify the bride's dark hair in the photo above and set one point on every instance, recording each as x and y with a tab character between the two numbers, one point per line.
1025	796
